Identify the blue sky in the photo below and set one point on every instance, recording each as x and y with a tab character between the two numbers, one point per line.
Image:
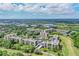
39	10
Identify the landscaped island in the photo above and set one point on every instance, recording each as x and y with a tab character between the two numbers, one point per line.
60	39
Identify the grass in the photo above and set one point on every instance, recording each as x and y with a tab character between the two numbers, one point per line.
76	51
65	49
68	48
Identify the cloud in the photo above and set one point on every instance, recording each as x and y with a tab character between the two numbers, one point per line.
52	8
6	6
48	8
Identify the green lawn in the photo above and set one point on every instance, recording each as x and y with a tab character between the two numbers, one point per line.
68	48
76	51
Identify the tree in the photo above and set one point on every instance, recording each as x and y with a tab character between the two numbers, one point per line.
1	41
38	52
1	35
60	53
27	48
17	46
16	54
44	49
75	37
53	33
4	53
7	44
0	52
31	48
7	53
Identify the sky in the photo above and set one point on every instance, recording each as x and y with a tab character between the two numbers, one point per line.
39	10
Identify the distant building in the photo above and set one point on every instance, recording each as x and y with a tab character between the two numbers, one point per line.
63	32
48	25
43	34
38	43
12	37
54	40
